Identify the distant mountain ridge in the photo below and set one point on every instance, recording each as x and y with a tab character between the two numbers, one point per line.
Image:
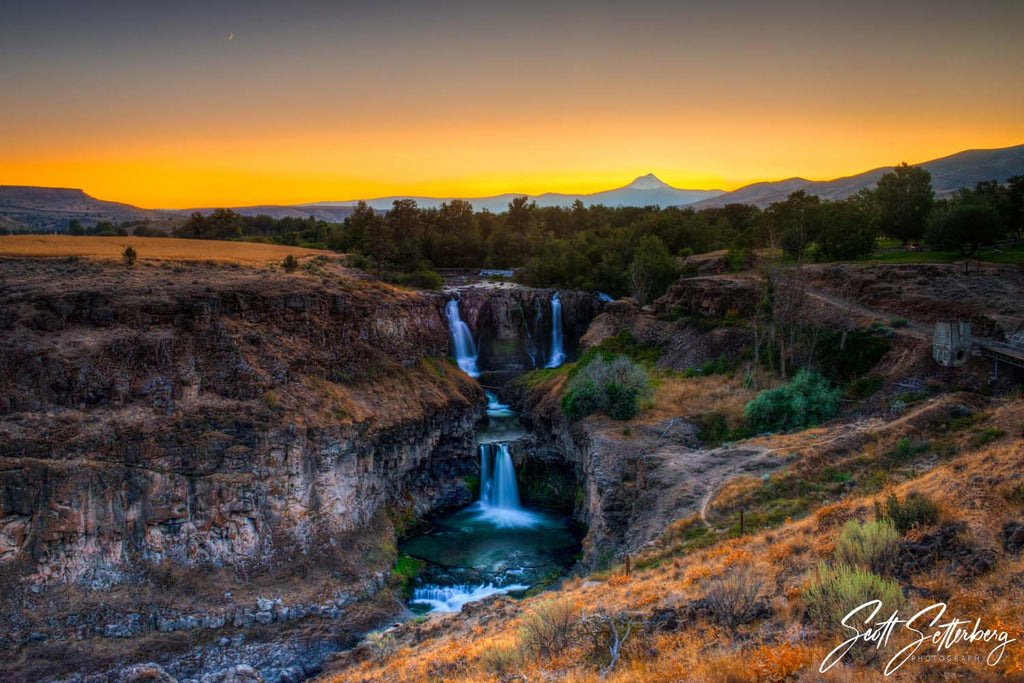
646	190
24	207
52	208
964	169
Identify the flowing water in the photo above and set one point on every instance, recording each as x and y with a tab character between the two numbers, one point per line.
496	545
462	340
557	354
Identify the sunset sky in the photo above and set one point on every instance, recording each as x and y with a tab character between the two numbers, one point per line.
333	101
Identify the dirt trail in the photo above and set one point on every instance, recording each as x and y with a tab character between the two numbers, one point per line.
864	310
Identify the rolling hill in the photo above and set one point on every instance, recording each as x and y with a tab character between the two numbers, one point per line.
964	169
53	208
25	208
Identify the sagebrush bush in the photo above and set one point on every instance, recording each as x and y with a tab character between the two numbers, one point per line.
916	510
502	659
549	629
837	590
617	388
732	598
806	401
382	645
871	545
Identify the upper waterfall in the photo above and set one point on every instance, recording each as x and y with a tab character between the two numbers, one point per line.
557	354
462	340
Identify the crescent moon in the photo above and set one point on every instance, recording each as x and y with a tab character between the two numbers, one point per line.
231	36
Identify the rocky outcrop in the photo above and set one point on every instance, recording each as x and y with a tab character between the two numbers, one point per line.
683	343
163	421
632	483
712	297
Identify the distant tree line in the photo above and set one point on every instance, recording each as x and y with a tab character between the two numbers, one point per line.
630	250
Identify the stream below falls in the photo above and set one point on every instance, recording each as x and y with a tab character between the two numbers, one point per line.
496	545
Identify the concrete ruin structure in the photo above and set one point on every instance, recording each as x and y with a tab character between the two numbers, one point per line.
951	346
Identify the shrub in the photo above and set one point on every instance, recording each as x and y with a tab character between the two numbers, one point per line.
837	590
405	570
129	256
548	629
916	510
625	344
870	546
898	322
607	635
986	436
502	659
615	388
422	279
1015	495
805	401
290	263
733	598
382	645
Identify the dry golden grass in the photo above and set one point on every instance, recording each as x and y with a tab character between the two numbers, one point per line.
150	248
677	396
782	647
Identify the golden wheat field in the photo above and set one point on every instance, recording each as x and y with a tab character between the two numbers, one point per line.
148	248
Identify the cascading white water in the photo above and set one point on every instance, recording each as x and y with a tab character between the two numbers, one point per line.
499	492
504	490
462	340
452	598
557	354
496	408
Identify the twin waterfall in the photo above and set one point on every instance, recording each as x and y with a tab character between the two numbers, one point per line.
494	546
465	351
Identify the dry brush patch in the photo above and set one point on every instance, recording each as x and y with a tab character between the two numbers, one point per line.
691	642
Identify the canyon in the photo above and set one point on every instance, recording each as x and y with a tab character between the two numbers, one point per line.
208	470
193	452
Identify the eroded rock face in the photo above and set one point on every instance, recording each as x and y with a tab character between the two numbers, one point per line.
682	344
212	424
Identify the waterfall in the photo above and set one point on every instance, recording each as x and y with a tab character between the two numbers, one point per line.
462	340
557	355
499	492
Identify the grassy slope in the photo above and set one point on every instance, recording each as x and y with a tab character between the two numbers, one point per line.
968	478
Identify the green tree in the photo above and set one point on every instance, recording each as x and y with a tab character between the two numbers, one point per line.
795	221
129	256
965	226
652	270
848	229
290	264
75	228
1015	202
905	198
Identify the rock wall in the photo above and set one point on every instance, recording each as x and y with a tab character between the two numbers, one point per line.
167	420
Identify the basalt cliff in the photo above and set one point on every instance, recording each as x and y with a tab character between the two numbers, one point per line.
198	460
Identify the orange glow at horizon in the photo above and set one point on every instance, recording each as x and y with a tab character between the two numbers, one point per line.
320	167
343	101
